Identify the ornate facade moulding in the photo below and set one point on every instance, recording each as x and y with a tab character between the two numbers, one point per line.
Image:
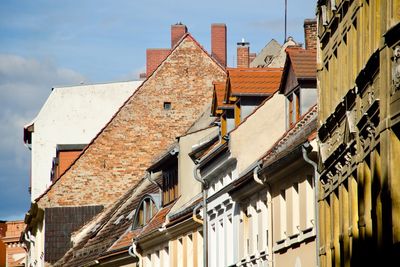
367	74
392	40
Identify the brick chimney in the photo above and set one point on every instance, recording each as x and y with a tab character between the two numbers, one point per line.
243	53
310	33
154	57
177	31
218	42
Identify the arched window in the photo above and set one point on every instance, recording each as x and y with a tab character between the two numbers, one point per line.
147	208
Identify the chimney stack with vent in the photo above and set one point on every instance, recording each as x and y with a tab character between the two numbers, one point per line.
243	54
177	31
218	42
310	33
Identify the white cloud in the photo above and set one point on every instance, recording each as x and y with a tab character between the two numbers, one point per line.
24	86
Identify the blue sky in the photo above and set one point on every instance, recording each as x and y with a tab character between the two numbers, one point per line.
53	43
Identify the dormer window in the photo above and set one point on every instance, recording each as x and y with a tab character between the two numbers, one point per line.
170	184
147	209
294	107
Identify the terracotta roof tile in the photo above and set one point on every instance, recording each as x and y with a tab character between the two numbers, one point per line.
219	88
125	240
248	81
157	221
304	62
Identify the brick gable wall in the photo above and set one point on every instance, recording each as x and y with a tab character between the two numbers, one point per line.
140	131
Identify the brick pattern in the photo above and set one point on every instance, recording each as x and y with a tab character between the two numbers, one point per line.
310	33
154	57
177	32
118	157
60	223
218	42
252	56
243	59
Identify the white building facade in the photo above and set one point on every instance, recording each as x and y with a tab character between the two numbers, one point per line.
70	116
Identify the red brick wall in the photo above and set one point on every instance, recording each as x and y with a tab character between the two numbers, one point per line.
141	130
310	33
3	229
177	31
252	56
218	42
243	51
154	57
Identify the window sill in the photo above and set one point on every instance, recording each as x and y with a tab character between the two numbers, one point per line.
294	239
253	258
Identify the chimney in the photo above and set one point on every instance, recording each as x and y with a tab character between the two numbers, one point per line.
218	42
154	57
177	31
243	53
252	56
310	33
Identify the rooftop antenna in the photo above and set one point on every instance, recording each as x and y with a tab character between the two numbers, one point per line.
285	21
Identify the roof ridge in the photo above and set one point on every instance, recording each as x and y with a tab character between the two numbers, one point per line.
138	89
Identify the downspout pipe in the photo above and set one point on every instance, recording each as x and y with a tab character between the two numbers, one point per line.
149	176
258	180
194	215
255	174
197	176
316	197
133	252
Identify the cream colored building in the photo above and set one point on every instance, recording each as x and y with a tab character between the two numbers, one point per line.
174	237
358	131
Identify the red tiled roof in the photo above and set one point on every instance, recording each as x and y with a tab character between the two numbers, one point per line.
218	97
219	88
157	221
304	62
125	240
248	81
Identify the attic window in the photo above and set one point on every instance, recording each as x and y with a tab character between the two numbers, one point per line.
167	105
145	212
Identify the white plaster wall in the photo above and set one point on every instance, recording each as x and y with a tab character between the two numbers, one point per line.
72	115
189	187
221	240
258	132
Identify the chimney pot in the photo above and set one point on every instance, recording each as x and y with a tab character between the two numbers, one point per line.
243	54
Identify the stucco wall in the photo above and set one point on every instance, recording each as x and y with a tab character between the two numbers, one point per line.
302	256
258	132
189	187
72	115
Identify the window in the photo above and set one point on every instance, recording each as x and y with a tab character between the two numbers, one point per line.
145	212
167	105
294	108
170	185
282	213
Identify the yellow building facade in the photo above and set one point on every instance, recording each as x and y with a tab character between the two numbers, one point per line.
359	131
